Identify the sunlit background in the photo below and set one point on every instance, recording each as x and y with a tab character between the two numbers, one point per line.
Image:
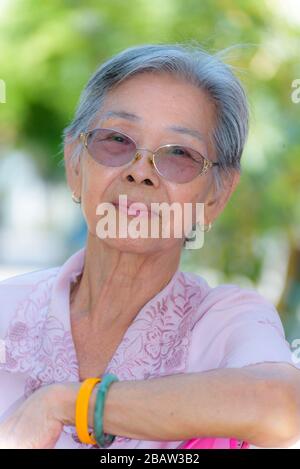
48	50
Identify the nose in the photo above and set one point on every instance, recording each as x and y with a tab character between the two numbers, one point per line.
142	170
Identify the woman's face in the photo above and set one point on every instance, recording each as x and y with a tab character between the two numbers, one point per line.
159	101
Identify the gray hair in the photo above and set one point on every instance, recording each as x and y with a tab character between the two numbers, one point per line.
207	71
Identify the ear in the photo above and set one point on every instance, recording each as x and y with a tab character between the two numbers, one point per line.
217	202
73	166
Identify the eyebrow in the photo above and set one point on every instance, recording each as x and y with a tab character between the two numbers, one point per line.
174	128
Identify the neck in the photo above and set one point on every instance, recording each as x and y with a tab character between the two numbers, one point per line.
115	285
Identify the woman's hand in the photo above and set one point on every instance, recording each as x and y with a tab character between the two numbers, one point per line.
35	424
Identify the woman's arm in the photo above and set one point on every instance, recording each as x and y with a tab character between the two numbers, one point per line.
258	403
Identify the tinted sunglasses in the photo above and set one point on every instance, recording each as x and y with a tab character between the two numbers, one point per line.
176	163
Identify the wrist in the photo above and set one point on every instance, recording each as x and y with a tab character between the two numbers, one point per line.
62	401
113	407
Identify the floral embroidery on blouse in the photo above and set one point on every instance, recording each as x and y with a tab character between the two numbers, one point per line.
155	344
37	343
160	336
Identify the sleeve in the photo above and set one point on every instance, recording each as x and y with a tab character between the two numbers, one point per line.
255	334
239	327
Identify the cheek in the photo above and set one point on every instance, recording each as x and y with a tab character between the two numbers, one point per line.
96	179
188	193
96	182
192	198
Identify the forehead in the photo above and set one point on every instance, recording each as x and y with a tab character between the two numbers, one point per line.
161	90
131	117
160	100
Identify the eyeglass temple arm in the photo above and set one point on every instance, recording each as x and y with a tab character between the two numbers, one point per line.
83	137
209	163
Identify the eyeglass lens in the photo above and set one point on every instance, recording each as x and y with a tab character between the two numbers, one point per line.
175	163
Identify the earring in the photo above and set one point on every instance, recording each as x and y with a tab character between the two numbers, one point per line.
205	228
75	199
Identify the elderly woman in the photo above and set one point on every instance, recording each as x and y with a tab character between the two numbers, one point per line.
156	123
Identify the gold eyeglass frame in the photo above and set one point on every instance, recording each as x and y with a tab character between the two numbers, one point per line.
206	166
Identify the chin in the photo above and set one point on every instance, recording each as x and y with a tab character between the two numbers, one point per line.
138	245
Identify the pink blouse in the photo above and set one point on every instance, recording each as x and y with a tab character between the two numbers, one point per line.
186	327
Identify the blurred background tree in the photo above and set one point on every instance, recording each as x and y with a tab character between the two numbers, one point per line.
50	49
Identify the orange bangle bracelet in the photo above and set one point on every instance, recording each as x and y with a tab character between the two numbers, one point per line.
82	409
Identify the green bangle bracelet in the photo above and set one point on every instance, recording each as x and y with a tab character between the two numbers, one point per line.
103	439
